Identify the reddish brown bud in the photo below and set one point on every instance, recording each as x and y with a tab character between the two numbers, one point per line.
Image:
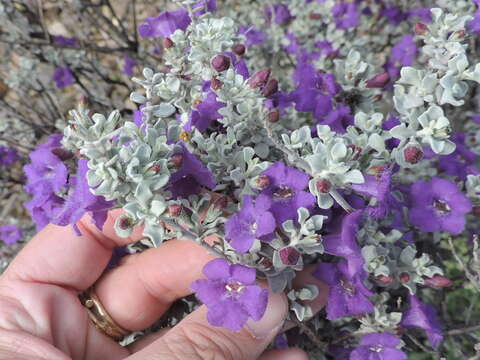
262	182
84	100
420	28
167	43
384	279
238	49
324	186
221	63
289	256
62	154
413	154
177	161
155	168
404	277
216	84
315	16
437	281
125	222
271	88
476	210
378	81
460	34
273	116
174	210
221	203
259	79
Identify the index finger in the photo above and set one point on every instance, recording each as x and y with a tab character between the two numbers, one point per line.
57	255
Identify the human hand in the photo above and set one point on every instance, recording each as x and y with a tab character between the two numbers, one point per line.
41	316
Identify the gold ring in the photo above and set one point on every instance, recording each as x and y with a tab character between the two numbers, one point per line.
99	316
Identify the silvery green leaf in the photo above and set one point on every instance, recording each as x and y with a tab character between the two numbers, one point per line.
278	282
164	110
309	292
157	207
137	98
143	194
354	177
155	232
324	201
147	73
262	150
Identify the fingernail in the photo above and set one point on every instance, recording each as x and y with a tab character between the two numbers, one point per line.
272	320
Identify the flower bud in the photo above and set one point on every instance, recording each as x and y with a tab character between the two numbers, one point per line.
216	84
238	49
220	203
476	210
167	43
420	28
174	210
273	116
289	256
315	16
221	63
155	168
384	279
271	88
262	182
413	154
404	277
259	79
324	186
62	154
378	81
437	281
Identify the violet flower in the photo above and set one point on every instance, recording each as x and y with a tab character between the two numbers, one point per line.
230	294
402	54
8	155
348	295
461	162
285	188
280	12
253	221
378	346
424	317
164	24
10	234
205	113
438	205
64	41
253	36
345	244
63	77
190	176
346	15
128	64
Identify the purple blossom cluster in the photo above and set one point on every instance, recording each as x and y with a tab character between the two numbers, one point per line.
58	197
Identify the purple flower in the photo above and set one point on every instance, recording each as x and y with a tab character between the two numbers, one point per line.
10	234
190	176
402	54
230	294
348	295
128	65
438	205
346	15
377	186
394	15
286	191
474	24
337	119
253	36
461	162
424	14
164	24
378	346
345	244
204	6
423	316
82	200
63	77
253	221
64	41
280	12
205	113
8	155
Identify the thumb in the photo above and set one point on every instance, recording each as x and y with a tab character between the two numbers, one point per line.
194	339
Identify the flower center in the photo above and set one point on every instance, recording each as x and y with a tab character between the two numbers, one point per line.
253	228
347	286
234	288
376	348
441	207
283	192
